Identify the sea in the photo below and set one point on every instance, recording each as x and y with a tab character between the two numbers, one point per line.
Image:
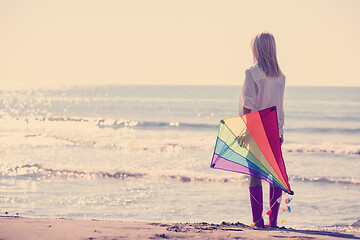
143	153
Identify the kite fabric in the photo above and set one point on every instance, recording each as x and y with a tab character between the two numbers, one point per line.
250	144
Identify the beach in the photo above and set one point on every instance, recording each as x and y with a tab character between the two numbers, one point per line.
43	228
124	119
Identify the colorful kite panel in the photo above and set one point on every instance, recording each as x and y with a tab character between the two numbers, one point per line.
250	144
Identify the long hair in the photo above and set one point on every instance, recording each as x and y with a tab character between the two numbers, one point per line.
264	52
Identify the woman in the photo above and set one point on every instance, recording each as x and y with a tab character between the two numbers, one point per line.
264	87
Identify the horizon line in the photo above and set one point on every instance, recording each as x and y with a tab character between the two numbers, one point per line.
22	86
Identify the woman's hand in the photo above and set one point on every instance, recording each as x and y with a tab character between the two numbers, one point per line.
246	110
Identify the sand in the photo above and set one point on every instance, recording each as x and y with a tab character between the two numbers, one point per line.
39	228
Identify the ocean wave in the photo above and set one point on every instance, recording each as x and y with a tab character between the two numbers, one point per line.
119	124
51	130
115	123
106	123
325	180
325	130
348	149
38	172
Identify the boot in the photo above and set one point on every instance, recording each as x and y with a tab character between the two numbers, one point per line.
256	200
274	194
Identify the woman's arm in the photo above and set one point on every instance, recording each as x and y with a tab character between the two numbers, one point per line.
248	94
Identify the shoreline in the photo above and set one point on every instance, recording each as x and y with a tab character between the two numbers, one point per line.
45	228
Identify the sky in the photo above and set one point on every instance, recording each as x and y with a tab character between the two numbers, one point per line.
175	42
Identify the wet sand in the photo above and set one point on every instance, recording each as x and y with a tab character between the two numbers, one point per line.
40	228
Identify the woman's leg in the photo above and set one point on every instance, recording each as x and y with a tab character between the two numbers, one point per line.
256	200
275	195
254	181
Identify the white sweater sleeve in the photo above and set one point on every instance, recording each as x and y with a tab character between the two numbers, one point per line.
248	93
282	114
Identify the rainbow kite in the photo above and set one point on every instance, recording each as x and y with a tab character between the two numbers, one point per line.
250	144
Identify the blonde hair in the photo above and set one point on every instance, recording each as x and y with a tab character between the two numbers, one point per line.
264	52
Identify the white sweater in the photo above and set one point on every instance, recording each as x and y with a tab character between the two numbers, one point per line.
260	91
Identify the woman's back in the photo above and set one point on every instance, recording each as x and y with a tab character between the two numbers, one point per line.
260	91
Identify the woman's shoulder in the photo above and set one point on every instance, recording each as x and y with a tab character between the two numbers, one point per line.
256	72
254	68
